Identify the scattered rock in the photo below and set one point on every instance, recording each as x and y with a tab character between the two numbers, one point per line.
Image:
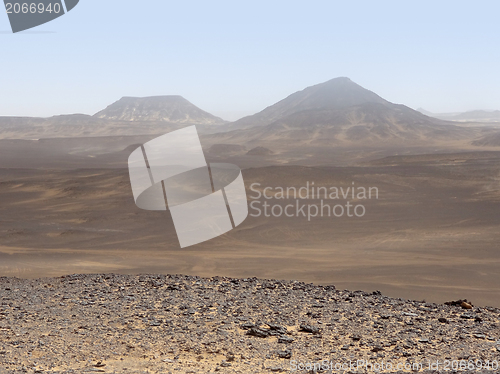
247	325
285	339
466	305
197	319
260	333
309	329
461	303
409	314
274	368
276	329
285	354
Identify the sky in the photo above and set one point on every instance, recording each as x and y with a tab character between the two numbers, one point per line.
234	58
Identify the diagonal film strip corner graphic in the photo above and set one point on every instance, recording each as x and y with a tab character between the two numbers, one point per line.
170	173
26	14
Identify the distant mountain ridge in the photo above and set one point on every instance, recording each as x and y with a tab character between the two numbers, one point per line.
173	109
472	116
336	113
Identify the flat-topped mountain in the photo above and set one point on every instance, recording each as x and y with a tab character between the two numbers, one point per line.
173	108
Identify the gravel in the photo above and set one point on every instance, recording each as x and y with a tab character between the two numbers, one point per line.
185	324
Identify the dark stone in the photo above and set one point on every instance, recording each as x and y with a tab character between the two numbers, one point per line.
260	333
309	329
285	354
247	326
285	339
277	329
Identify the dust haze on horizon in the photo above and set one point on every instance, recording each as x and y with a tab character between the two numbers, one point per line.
69	208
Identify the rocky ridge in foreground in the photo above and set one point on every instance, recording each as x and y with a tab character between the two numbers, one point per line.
184	324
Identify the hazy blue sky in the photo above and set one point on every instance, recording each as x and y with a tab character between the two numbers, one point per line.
236	57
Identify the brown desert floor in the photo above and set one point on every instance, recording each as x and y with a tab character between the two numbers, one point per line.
433	233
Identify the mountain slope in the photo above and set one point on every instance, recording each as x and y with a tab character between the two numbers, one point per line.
78	125
173	109
340	112
365	125
333	94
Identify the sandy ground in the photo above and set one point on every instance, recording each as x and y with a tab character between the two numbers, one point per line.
433	233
